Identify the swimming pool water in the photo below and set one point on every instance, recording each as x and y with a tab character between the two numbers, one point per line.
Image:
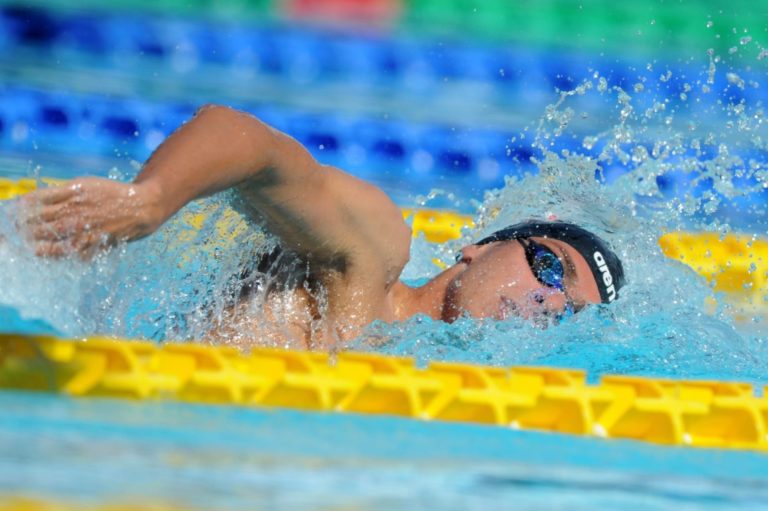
412	115
208	457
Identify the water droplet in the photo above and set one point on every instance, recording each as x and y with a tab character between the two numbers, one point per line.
709	24
745	40
735	79
114	173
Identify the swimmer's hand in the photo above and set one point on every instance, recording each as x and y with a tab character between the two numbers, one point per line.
85	216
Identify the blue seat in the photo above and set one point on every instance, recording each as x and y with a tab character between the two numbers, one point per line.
382	146
53	116
475	63
521	69
562	74
119	126
243	49
210	44
319	133
301	56
449	148
18	107
30	25
84	33
130	36
419	67
267	54
356	59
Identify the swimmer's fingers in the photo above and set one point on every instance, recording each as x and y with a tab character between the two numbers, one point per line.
89	243
85	246
60	227
46	214
45	232
32	216
53	195
52	249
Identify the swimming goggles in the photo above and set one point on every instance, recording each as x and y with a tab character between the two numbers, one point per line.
548	270
545	265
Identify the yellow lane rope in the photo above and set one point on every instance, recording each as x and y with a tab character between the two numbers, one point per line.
694	413
23	503
704	414
736	264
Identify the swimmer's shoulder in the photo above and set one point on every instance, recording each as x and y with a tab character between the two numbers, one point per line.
374	220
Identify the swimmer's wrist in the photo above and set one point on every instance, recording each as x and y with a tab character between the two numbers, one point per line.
153	210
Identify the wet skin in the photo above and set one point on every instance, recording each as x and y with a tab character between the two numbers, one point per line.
496	282
350	234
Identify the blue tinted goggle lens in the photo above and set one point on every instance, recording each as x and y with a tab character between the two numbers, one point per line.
545	265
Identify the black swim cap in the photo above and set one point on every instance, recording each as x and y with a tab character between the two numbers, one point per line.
604	263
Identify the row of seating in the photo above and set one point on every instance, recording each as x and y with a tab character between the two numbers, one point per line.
306	57
92	124
35	120
601	25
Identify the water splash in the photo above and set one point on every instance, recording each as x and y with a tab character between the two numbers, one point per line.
616	156
654	167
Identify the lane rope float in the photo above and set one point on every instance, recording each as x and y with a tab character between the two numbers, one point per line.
663	411
695	413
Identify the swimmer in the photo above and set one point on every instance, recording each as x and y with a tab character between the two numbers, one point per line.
349	235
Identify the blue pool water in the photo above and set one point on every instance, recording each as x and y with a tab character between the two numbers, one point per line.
206	457
630	149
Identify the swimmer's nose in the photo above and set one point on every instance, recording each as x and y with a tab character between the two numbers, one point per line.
468	253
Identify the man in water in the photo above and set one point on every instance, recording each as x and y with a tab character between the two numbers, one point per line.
350	236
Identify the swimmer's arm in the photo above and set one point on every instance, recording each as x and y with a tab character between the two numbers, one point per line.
219	148
313	208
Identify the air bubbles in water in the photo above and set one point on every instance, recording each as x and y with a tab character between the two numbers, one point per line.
648	164
665	168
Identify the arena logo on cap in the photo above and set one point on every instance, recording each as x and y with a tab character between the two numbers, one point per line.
607	277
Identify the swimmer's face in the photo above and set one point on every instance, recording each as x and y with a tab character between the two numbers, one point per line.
495	280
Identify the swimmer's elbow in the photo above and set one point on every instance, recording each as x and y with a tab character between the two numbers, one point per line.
213	109
228	116
235	124
256	142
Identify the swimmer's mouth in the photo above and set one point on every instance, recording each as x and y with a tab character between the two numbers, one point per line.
507	308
